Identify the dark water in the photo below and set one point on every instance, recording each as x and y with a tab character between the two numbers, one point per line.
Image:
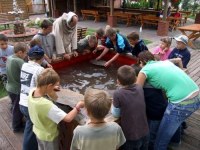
81	76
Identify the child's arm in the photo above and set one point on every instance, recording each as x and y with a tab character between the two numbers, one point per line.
141	79
111	60
177	61
105	51
116	112
72	114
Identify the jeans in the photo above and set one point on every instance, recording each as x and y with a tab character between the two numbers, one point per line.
153	129
141	144
174	115
17	116
30	141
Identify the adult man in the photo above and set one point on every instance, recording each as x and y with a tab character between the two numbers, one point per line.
65	31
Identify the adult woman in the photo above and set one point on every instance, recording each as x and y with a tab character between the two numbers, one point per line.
181	91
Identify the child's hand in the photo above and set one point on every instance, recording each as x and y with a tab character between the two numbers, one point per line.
49	66
75	54
80	104
107	64
94	51
67	56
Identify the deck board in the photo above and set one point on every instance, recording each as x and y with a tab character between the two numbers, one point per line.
191	138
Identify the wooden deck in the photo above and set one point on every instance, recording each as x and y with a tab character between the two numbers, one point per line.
190	140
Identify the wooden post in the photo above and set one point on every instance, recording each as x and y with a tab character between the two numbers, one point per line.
110	18
75	8
165	10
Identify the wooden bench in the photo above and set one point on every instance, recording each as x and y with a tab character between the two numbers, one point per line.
4	20
81	33
93	13
149	19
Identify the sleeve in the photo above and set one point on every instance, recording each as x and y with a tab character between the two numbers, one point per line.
35	76
108	43
56	114
156	51
58	34
74	39
120	43
20	63
146	71
121	137
74	143
186	60
115	111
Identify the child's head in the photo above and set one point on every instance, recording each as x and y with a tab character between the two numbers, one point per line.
133	38
3	41
111	33
97	103
20	50
136	68
165	42
36	53
34	42
181	42
46	26
126	75
144	57
92	40
100	33
48	79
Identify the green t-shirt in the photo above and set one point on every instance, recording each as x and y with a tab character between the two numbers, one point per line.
168	77
13	70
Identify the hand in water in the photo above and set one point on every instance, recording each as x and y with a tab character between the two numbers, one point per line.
107	64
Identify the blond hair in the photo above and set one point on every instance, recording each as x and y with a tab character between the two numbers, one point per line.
97	103
47	76
167	41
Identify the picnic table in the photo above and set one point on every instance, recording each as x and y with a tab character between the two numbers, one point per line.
192	32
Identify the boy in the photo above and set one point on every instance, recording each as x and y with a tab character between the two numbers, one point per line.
47	39
29	74
87	44
137	44
129	105
44	114
181	50
156	105
117	42
101	38
13	69
97	134
5	51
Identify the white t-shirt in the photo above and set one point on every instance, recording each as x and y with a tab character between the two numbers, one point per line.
28	77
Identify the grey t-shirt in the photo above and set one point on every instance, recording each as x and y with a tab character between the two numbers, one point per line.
106	137
130	101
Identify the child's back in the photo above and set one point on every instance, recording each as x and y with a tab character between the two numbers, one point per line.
105	137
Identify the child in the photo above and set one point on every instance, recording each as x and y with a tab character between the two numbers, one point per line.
117	42
29	74
97	134
47	39
101	38
87	44
156	104
44	114
5	51
181	51
13	69
129	104
163	50
137	45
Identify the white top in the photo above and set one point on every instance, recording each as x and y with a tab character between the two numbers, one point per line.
28	77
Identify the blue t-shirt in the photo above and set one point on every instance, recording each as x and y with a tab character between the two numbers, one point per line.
122	44
3	58
184	54
139	47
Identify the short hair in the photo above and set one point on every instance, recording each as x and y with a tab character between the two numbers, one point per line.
145	56
136	68
47	76
46	23
167	41
97	103
93	39
133	36
100	32
110	32
20	47
35	41
3	38
126	75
